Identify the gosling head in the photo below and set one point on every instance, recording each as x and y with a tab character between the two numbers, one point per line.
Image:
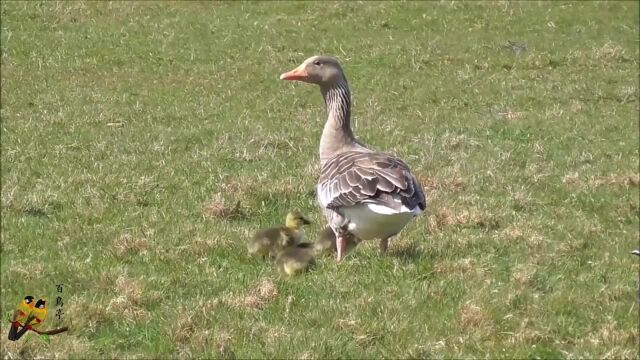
320	70
296	220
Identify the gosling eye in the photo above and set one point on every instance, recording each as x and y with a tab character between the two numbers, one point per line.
317	63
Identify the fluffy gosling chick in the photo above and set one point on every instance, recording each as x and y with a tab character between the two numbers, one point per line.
267	242
292	260
326	242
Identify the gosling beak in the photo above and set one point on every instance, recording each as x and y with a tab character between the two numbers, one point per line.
296	74
306	221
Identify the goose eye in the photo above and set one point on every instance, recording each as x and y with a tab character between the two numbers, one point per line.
317	63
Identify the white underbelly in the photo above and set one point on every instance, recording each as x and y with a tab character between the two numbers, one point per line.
367	224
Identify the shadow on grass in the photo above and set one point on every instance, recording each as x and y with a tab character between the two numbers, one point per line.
406	252
35	212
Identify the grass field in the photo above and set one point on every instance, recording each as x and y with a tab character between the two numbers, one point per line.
130	130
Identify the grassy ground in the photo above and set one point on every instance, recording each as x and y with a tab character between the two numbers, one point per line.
130	131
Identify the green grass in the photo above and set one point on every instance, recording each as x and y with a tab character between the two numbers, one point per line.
129	131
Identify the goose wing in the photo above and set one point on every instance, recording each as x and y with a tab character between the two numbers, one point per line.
354	177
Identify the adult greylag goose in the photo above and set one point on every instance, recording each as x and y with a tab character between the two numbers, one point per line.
365	193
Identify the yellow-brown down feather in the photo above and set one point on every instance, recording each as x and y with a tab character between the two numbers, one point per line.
295	259
269	241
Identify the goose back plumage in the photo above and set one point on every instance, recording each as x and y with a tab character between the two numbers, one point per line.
355	177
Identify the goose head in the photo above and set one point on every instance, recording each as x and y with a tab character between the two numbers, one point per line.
320	70
295	220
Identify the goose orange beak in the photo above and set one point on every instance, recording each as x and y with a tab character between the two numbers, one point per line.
295	74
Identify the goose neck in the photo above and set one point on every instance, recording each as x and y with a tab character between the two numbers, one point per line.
337	135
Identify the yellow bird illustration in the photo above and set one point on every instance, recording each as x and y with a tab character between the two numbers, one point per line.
30	315
23	310
39	313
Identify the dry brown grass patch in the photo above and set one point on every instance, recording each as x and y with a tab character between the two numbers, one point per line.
513	233
62	346
24	270
449	185
528	335
183	328
571	179
570	246
444	218
188	332
222	344
576	106
364	336
451	142
128	303
472	318
127	243
256	298
187	336
271	146
123	308
611	335
521	200
627	210
307	355
511	115
89	317
521	232
132	289
629	180
467	267
608	51
618	353
201	247
218	207
239	189
522	274
616	180
287	185
345	324
193	250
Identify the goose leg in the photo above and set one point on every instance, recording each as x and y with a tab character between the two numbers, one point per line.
341	245
341	240
384	244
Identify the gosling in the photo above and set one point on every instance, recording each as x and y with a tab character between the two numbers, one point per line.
295	259
269	241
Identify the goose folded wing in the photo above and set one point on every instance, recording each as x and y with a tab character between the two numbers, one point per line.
364	177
